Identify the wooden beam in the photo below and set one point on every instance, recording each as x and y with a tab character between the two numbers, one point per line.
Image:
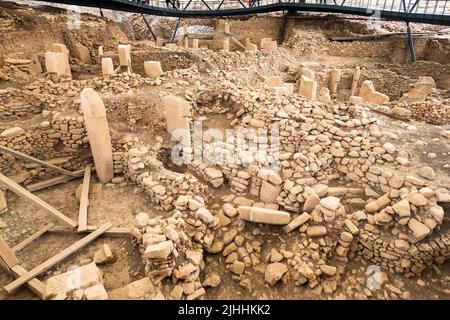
238	42
36	200
23	156
49	183
121	232
54	260
35	285
7	255
33	237
84	200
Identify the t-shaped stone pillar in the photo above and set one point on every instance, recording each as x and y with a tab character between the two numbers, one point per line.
194	43
58	47
356	76
98	133
55	62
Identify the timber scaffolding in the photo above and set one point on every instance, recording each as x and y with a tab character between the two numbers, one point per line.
8	259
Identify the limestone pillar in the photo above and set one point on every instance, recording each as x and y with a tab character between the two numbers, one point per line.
124	54
356	77
107	67
100	51
58	47
55	62
227	28
98	133
177	112
226	45
335	78
194	43
246	41
153	69
186	42
308	88
263	215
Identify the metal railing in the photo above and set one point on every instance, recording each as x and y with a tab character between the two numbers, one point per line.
432	7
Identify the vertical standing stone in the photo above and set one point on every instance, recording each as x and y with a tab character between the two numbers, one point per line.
227	27
58	47
308	88
246	42
335	78
356	76
186	42
194	43
98	133
226	45
251	47
153	69
177	112
100	51
55	63
124	55
107	67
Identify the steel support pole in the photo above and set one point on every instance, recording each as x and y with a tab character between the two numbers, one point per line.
412	48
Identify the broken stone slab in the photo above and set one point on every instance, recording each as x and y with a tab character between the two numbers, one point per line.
269	192
153	69
380	203
205	215
307	88
98	132
311	202
419	230
96	292
12	132
159	251
83	277
369	95
137	290
263	215
316	231
331	203
103	255
211	280
297	222
55	63
335	77
274	272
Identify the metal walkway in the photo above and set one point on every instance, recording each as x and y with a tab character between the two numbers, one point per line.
421	11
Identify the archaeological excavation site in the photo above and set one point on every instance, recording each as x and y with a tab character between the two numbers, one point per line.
225	150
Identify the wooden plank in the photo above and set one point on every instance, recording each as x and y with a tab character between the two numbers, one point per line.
23	156
84	200
121	232
8	256
57	258
36	200
35	285
49	183
33	237
238	42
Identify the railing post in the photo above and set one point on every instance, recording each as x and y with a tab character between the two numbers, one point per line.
411	43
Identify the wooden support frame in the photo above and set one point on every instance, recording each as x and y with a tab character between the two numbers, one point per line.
84	200
49	183
121	232
11	287
7	255
33	237
23	156
37	201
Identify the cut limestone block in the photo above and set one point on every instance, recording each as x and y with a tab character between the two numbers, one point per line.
369	95
77	278
98	132
194	43
268	44
58	47
226	45
55	63
334	80
153	69
124	54
177	112
96	292
140	289
263	215
107	67
269	192
308	88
